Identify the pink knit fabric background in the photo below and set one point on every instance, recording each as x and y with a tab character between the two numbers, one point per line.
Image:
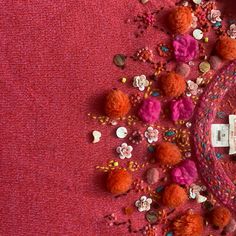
55	66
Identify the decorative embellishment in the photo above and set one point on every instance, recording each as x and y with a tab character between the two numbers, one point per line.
140	82
151	134
214	16
124	151
145	55
163	50
198	34
232	31
185	48
136	137
119	60
193	87
143	204
121	132
96	136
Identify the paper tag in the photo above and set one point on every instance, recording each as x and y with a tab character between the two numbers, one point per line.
232	134
220	135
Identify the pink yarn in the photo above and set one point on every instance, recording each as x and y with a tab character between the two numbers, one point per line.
185	48
150	110
181	109
185	174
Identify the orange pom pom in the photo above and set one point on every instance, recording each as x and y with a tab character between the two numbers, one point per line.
168	154
180	20
189	224
174	196
220	217
119	181
226	48
117	104
173	85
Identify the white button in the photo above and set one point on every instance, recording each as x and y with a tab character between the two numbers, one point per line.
197	1
121	132
198	34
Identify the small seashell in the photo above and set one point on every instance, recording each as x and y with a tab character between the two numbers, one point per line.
96	136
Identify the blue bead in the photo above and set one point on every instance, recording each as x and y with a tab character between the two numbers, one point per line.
159	189
155	94
169	234
151	149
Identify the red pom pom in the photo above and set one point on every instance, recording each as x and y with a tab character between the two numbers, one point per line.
173	85
189	224
220	217
226	48
174	196
117	104
168	153
180	20
119	181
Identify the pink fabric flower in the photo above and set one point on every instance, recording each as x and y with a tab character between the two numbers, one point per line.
150	110
185	173
185	48
181	109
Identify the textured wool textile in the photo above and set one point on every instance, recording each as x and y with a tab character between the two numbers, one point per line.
55	66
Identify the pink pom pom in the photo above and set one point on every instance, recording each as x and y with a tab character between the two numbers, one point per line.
185	48
150	110
181	109
185	173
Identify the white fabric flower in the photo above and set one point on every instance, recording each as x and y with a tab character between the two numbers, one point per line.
214	16
232	31
151	134
140	82
143	204
124	151
194	193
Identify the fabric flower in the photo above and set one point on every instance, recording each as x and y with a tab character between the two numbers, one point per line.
185	173
194	87
143	204
214	16
232	31
124	151
140	82
185	48
150	110
151	134
194	193
181	109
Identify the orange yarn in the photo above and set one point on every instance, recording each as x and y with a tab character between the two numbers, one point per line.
117	104
174	196
173	85
189	224
119	181
168	153
220	216
180	20
226	48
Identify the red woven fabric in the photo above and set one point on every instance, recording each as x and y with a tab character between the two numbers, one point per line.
55	65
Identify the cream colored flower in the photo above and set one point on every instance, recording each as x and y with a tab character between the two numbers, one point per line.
143	204
140	82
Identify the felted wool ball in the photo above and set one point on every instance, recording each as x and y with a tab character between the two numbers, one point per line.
150	110
189	224
231	227
220	217
119	181
152	175
226	48
183	69
215	62
168	154
173	84
117	104
174	196
180	19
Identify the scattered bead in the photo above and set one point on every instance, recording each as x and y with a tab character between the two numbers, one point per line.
121	132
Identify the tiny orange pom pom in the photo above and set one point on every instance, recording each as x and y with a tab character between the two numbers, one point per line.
226	48
180	20
119	181
168	153
220	216
174	196
173	84
189	224
117	104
